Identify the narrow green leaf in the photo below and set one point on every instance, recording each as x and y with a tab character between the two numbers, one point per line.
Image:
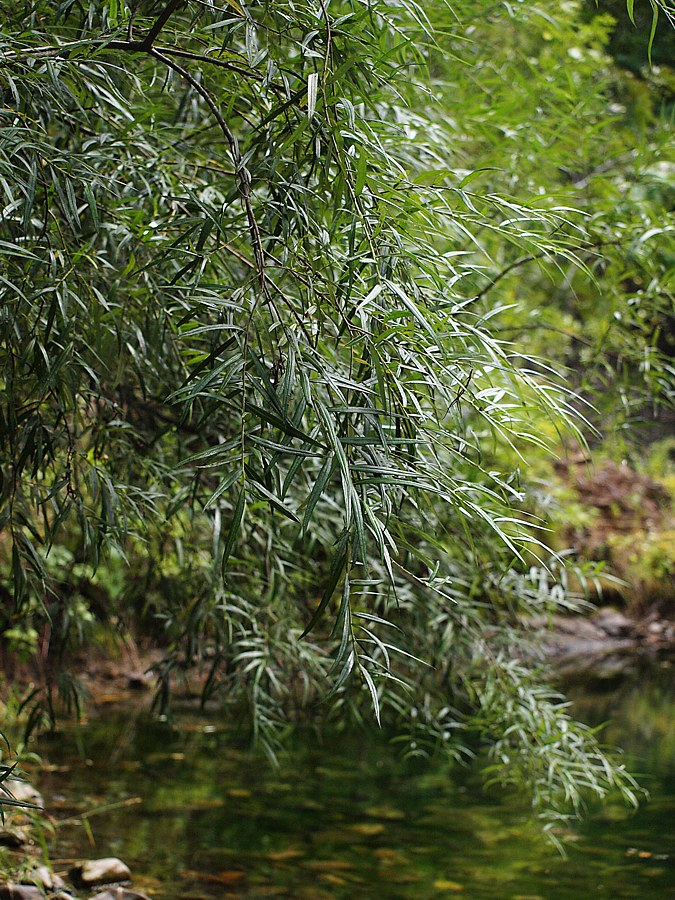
361	174
274	501
337	568
237	516
373	693
317	490
629	6
224	485
652	33
93	207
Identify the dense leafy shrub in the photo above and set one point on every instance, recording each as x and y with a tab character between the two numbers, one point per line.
278	279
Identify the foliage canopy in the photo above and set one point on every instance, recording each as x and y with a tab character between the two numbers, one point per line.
278	284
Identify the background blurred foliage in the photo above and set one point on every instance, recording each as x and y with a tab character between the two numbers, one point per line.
296	300
628	41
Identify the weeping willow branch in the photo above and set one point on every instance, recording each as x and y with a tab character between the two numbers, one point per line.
243	177
160	22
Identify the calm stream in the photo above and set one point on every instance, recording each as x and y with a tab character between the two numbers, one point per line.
196	816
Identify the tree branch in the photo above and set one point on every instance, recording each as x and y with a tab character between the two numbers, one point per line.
242	174
514	265
214	61
522	260
129	46
164	54
160	22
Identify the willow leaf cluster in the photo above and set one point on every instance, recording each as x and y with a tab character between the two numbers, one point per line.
247	349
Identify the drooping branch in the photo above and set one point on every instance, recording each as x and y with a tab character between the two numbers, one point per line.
160	22
589	248
145	45
164	55
530	257
242	175
64	51
214	61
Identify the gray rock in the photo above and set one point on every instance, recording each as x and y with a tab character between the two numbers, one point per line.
613	622
119	893
44	880
49	881
12	837
100	871
11	891
23	792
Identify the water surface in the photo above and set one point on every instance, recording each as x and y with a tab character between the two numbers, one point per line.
196	815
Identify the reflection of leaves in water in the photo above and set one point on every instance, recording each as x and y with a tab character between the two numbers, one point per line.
639	709
334	879
344	827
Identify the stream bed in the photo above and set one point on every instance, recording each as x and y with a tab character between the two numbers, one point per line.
195	815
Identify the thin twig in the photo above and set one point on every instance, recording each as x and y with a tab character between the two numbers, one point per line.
215	61
329	45
514	265
160	22
242	174
97	810
590	248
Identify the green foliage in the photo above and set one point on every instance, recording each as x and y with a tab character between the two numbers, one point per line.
544	748
644	32
13	756
275	290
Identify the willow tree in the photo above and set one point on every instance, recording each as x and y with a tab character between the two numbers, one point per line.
247	351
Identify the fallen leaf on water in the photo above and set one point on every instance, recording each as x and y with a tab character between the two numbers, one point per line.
333	879
390	856
368	828
384	812
238	792
454	886
283	855
228	876
326	865
645	854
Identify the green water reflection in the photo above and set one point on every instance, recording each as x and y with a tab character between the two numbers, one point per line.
200	817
